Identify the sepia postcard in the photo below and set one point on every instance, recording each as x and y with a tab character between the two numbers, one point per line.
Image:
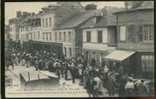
79	49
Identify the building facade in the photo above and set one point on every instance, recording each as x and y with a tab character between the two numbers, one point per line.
95	33
99	35
43	26
135	27
14	29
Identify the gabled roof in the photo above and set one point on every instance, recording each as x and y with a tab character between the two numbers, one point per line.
77	20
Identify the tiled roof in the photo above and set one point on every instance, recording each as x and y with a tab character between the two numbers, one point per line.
64	13
77	19
108	19
89	24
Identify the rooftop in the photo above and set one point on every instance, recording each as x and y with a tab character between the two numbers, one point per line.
144	5
107	19
77	19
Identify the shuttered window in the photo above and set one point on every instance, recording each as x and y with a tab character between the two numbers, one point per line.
88	36
122	33
99	37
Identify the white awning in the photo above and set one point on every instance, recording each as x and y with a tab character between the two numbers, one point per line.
119	55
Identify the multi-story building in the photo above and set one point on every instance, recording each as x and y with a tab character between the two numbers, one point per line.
99	35
13	29
14	26
42	26
135	33
7	36
70	32
30	28
128	33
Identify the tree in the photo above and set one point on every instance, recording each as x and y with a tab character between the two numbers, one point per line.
91	7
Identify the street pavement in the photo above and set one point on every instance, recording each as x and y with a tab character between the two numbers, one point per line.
62	89
43	87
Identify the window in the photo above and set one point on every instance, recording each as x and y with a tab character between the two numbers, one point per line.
38	22
38	35
50	22
70	37
147	63
34	35
148	31
99	37
50	34
43	22
27	36
59	36
64	36
43	35
46	22
55	36
47	34
88	36
30	36
122	33
70	51
65	51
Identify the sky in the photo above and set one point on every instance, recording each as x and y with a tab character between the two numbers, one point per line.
12	7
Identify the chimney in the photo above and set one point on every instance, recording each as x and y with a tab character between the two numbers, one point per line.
99	15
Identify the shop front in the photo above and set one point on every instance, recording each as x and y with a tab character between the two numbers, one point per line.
123	61
95	57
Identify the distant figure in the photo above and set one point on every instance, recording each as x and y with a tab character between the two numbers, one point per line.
73	71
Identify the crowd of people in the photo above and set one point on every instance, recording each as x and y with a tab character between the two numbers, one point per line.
94	78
